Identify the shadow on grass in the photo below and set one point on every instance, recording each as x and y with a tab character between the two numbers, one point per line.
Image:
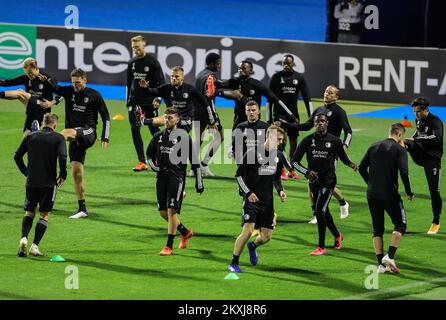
13	296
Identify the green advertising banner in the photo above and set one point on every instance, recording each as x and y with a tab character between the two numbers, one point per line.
16	44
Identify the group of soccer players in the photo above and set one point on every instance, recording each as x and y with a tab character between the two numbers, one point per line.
257	146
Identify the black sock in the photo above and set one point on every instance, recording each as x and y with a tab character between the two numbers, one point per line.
391	252
182	229
2	94
148	121
170	238
235	259
27	224
379	257
252	246
82	206
313	208
39	231
436	219
342	202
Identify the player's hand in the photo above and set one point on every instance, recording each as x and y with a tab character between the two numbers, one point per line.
282	195
410	196
312	176
143	83
41	77
60	181
237	94
45	104
410	139
105	145
253	198
156	103
212	126
354	166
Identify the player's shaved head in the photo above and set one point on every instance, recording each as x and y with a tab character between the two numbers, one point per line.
420	102
397	129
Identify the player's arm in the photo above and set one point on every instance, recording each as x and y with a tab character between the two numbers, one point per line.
343	156
403	167
158	75
105	116
62	156
48	104
129	82
20	80
273	98
241	172
308	124
18	157
152	153
204	104
283	162
194	161
272	108
298	155
363	167
305	92
347	129
435	139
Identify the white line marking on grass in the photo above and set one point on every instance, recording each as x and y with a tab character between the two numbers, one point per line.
357	130
394	289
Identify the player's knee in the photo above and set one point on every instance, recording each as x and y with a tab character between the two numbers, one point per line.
400	228
44	216
77	175
163	214
265	237
30	214
378	233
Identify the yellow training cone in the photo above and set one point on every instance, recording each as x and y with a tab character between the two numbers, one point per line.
119	117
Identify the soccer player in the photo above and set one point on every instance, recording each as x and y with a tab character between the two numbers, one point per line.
82	105
322	150
142	66
426	149
337	122
167	155
250	89
37	90
379	169
287	85
246	135
180	95
205	85
44	148
256	176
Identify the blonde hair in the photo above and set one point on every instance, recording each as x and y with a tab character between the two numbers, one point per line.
30	62
138	38
178	69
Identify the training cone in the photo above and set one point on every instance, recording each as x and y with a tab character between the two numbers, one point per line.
232	276
406	123
119	117
57	259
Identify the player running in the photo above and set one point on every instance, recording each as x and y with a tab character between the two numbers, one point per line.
256	176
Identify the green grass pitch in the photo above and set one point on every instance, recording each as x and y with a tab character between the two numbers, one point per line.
116	250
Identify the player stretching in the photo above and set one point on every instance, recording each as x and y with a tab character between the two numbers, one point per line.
322	150
167	154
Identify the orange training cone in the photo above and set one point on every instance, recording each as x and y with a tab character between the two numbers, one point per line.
119	117
406	123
